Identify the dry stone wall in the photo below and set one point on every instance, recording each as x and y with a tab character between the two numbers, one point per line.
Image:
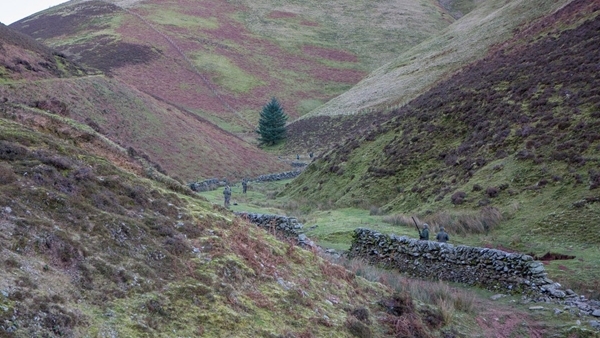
490	268
288	227
215	183
277	176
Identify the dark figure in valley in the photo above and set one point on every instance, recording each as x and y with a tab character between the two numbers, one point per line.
297	157
227	195
311	154
442	236
244	185
424	234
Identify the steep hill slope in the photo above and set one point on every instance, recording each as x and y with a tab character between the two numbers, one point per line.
420	68
23	58
93	242
224	60
181	143
516	131
89	248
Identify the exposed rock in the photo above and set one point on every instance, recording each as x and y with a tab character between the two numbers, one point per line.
534	308
498	296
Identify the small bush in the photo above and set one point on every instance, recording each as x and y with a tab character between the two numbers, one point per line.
432	317
176	246
358	328
362	314
10	151
458	197
374	211
492	192
594	179
7	175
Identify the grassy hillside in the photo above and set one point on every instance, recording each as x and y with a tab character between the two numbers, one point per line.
224	60
178	141
420	68
91	248
509	142
23	58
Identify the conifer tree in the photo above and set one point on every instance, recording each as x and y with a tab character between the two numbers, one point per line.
271	125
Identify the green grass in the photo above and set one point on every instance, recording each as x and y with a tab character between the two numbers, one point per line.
225	73
164	16
332	227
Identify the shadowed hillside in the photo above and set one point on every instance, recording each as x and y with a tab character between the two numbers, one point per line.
23	58
418	69
517	131
223	60
179	142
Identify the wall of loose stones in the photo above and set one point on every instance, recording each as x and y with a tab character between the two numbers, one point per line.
214	183
277	176
489	268
288	227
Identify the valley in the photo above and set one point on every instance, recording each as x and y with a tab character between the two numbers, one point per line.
478	116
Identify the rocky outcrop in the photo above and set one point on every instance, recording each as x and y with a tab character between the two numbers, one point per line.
489	268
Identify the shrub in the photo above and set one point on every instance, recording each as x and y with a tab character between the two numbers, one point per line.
492	192
374	211
358	328
6	174
362	314
458	197
176	246
594	179
483	202
10	151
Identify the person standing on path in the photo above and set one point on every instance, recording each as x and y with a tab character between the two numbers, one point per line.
442	236
424	234
227	195
244	185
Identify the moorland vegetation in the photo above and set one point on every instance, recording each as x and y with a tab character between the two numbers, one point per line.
496	139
